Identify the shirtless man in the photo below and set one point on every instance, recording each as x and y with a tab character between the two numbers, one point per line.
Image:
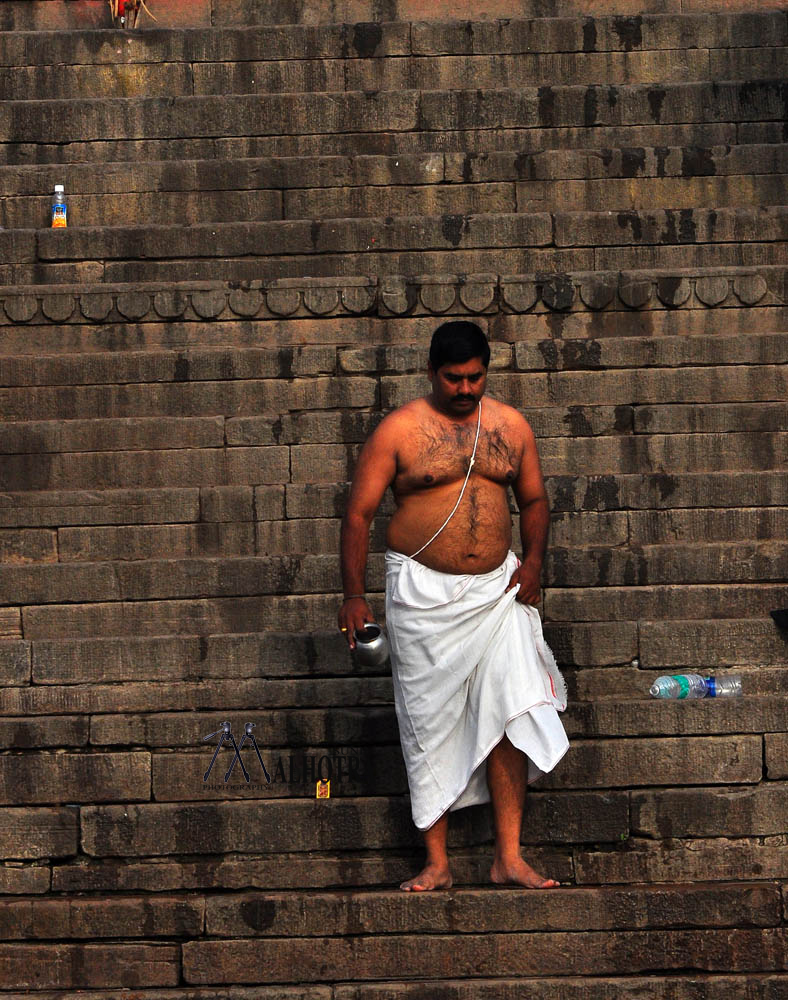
423	450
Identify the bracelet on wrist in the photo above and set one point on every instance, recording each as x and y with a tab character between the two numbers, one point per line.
352	597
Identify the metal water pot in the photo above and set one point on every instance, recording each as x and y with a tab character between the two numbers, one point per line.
372	648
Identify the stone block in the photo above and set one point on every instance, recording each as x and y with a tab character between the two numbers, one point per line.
133	542
52	731
711	812
37	437
720	418
657	603
14	661
294	825
346	728
359	202
624	763
322	463
84	966
128	917
259	914
38	833
10	623
589	528
269	502
776	747
27	546
368	956
592	643
57	582
123	506
708	644
718	859
60	777
24	880
709	524
156	658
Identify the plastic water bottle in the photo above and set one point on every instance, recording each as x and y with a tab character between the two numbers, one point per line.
695	686
59	216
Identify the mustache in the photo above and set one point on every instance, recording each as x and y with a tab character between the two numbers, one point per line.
464	399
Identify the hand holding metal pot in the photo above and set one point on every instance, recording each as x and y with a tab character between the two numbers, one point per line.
372	648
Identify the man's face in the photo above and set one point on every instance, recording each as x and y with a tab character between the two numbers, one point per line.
457	388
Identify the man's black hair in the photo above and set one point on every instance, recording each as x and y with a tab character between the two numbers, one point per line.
456	342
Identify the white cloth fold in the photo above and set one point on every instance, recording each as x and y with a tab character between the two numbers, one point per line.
469	664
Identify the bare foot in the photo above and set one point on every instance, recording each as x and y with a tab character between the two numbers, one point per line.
431	877
517	872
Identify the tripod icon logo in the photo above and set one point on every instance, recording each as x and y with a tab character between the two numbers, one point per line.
226	732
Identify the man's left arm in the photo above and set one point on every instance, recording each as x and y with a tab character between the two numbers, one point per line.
529	491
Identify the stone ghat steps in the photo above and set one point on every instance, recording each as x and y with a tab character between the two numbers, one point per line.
46	15
564	106
297	729
695	34
43	777
260	189
519	139
518	946
415	244
392	57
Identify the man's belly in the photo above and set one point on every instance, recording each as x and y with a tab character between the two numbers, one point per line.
476	539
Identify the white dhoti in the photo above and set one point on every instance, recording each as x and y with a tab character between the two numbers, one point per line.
469	664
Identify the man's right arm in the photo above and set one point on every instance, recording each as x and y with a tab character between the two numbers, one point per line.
375	470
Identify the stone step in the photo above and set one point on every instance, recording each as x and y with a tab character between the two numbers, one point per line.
180	207
404	244
390	911
522	140
588	36
309	312
552	166
580	567
612	354
241	74
403	110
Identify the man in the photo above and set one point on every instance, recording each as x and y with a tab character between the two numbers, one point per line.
475	687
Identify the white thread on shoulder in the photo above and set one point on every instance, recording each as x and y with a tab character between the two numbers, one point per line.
462	491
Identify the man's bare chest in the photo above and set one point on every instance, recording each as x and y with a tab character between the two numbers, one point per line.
439	453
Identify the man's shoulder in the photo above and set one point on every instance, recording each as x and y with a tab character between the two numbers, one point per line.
506	414
392	426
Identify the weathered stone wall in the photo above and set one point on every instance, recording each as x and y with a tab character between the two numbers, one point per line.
184	385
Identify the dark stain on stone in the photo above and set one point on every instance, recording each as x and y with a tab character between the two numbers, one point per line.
564	492
559	565
601	494
623	419
607	156
314	232
286	362
697	161
633	161
467	167
277	430
578	422
661	153
584	354
612	96
670	233
203	647
589	107
287	574
525	165
589	35
549	351
631	220
669	286
367	36
666	484
181	369
258	913
603	560
711	222
629	31
546	106
688	231
310	653
453	227
656	98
